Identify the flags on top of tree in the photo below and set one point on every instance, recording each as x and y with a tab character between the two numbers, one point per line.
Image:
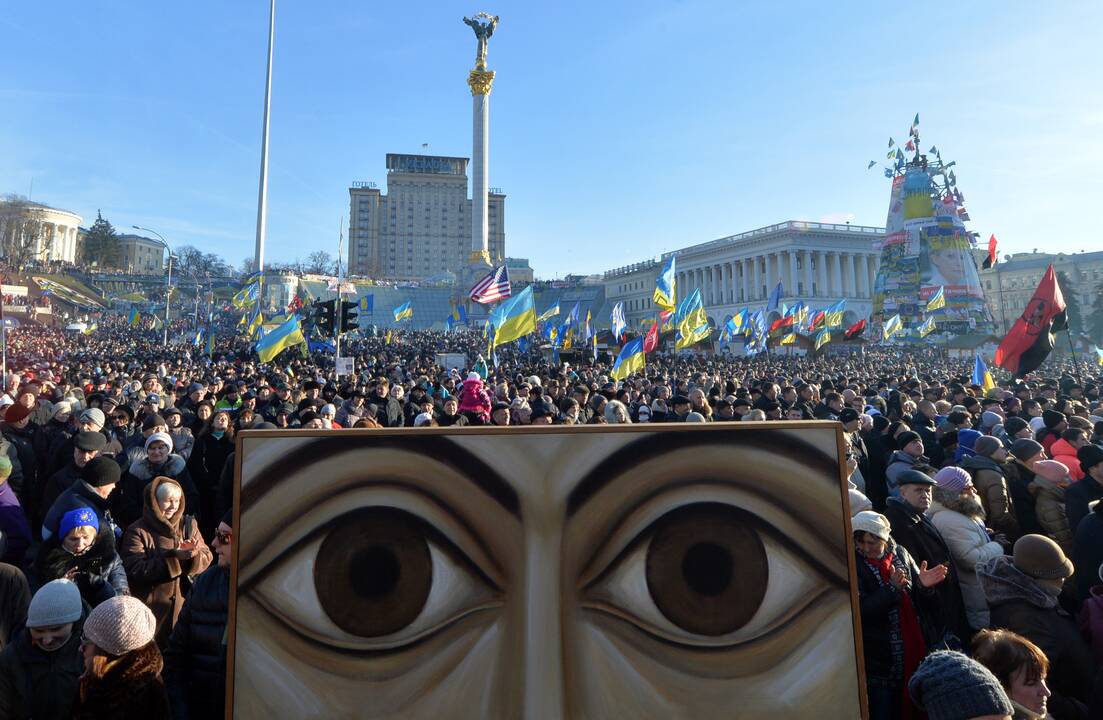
992	259
665	292
631	359
495	286
514	318
1030	339
937	301
981	376
617	320
775	297
855	330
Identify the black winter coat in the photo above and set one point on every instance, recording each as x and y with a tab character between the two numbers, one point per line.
924	543
100	573
195	660
208	457
27	441
1077	497
38	684
1088	555
58	483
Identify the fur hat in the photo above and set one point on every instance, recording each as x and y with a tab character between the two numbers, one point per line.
873	523
120	625
56	603
950	686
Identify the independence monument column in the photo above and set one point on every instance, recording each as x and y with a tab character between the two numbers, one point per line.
480	79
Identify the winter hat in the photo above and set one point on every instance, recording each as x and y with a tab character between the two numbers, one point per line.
15	413
473	377
989	420
873	523
159	437
94	416
62	408
1025	448
966	439
953	478
695	417
1040	557
985	446
906	437
56	603
1089	456
329	410
644	413
1052	418
950	686
101	471
848	415
1051	470
1013	425
120	625
911	476
78	517
153	421
423	419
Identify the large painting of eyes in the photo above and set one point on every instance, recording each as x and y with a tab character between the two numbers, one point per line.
374	578
706	574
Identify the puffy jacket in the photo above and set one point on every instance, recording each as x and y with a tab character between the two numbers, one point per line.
195	660
1049	506
969	544
100	574
1064	453
51	677
989	479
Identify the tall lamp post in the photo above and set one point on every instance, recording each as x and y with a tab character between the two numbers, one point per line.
168	285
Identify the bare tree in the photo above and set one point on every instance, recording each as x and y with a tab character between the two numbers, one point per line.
321	263
23	236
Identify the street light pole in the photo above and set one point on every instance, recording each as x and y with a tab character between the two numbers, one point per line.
168	286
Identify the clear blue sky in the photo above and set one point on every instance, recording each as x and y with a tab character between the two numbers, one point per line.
618	129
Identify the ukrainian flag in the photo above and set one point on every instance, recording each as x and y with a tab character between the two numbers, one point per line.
691	321
246	296
892	327
927	327
461	315
822	338
367	303
630	360
92	328
549	313
1098	352
254	322
133	318
938	300
286	335
833	314
789	339
403	311
665	294
514	318
210	342
981	376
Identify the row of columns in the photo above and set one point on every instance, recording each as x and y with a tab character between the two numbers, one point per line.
803	274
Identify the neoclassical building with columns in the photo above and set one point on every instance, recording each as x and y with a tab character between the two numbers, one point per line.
51	233
818	263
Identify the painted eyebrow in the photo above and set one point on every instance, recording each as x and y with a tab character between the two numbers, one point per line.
440	448
651	445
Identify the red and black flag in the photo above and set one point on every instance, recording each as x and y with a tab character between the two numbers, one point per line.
855	330
991	260
1030	340
651	339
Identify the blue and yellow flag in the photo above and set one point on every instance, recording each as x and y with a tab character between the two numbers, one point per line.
90	329
210	341
981	376
254	322
198	337
665	290
514	318
893	326
134	317
691	321
286	335
833	314
927	327
822	338
631	359
367	303
789	339
403	311
246	296
549	313
1098	353
938	300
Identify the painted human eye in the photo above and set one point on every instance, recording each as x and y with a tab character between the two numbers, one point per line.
707	574
375	578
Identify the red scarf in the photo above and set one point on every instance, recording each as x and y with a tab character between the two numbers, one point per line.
915	648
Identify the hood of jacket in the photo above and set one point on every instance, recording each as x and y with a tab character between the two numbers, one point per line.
901	456
151	509
1003	582
146	471
980	462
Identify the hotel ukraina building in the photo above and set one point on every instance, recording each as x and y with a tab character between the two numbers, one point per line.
818	263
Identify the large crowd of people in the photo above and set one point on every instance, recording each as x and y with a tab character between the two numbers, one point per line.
978	531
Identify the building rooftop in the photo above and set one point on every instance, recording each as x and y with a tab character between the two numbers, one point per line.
1029	261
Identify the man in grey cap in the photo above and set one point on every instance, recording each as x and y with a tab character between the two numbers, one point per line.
914	530
40	670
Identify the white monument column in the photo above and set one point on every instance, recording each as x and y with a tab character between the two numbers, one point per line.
480	82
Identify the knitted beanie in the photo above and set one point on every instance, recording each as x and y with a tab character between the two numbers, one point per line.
120	625
1025	448
953	478
906	437
1052	418
989	420
1089	456
75	518
950	686
153	421
101	471
985	446
94	416
1040	557
56	603
1014	425
159	437
1052	470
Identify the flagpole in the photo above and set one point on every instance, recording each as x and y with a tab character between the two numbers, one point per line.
339	311
1075	355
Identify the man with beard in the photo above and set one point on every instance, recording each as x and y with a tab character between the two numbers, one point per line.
958	514
914	530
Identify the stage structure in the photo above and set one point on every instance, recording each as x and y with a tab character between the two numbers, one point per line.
593	572
926	246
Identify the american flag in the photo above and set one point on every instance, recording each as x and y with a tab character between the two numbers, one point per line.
493	287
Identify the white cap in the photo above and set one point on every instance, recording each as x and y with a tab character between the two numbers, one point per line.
873	523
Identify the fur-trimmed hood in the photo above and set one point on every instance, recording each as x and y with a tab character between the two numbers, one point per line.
131	686
1003	582
151	509
143	470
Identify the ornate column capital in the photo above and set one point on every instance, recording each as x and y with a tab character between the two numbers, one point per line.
480	81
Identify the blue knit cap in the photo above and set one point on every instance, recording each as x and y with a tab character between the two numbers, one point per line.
80	517
950	686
